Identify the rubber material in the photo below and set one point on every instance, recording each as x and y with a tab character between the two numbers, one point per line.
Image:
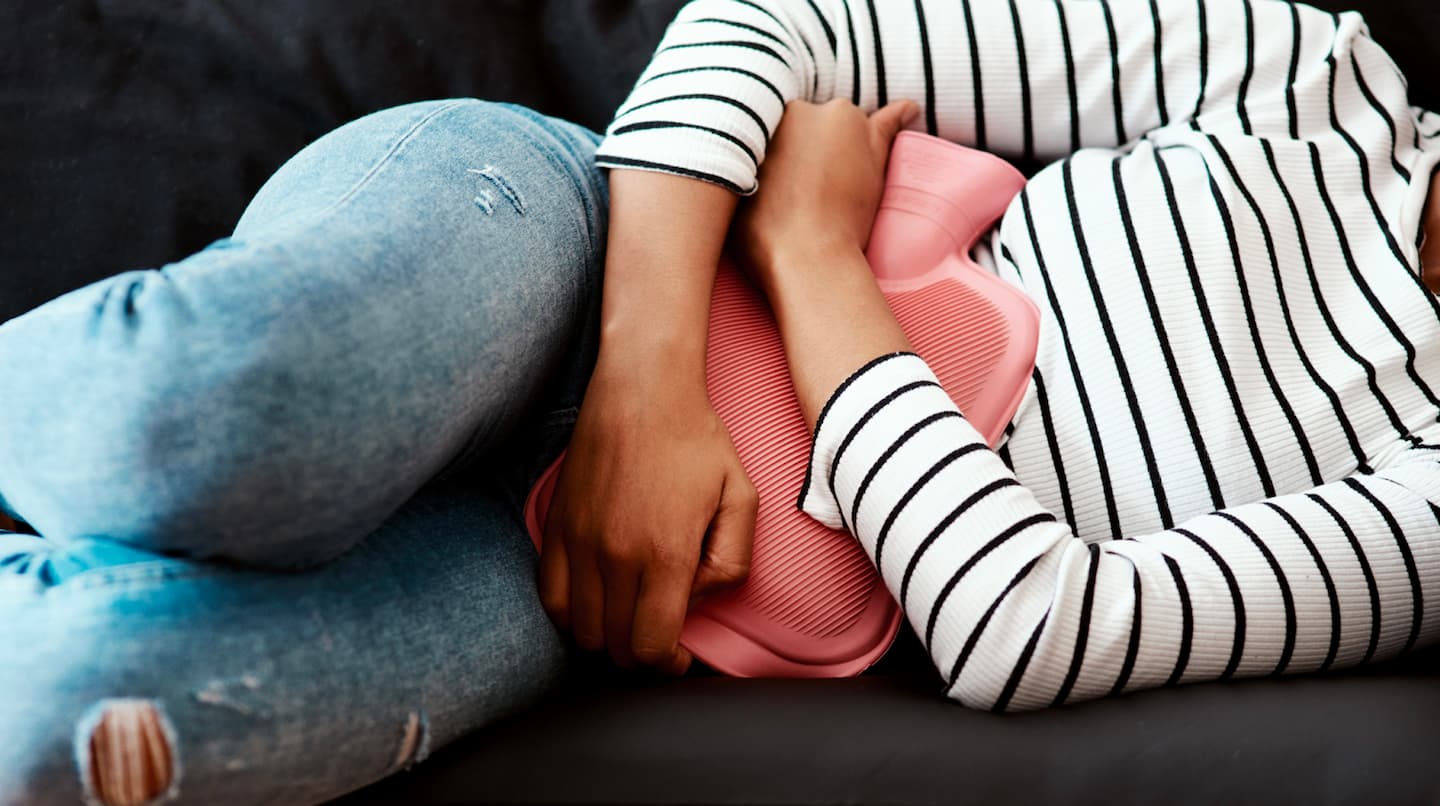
813	605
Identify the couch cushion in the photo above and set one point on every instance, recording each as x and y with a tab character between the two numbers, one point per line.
1366	737
135	132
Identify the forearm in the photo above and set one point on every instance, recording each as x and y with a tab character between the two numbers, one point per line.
665	238
650	476
832	319
1017	611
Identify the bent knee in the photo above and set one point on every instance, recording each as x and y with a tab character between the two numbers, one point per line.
151	435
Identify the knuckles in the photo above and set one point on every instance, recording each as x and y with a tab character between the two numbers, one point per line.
750	499
731	572
616	558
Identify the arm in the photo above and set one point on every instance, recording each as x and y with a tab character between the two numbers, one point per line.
1018	612
1033	78
1014	608
650	469
705	110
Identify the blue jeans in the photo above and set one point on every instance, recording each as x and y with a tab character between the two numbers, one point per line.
277	485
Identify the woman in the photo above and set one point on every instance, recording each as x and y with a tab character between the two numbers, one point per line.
1233	323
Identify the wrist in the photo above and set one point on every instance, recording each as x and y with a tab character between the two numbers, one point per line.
639	351
664	240
824	282
626	389
843	315
792	266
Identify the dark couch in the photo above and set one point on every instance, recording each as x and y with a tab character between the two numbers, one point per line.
133	133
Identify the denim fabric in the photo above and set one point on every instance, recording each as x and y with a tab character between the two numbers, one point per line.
277	484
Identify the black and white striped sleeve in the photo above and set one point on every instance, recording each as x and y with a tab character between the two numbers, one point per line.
1017	612
1022	78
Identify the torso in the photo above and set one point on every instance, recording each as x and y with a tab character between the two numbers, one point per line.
1168	387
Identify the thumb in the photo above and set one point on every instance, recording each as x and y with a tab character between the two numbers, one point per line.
887	122
726	559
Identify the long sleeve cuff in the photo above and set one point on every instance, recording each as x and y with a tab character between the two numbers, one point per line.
898	387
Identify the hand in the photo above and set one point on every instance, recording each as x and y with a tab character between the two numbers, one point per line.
652	510
820	186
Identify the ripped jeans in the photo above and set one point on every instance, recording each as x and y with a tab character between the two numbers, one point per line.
277	484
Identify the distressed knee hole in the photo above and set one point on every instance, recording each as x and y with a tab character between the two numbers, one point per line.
127	756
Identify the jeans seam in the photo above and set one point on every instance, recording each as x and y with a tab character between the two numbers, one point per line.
380	164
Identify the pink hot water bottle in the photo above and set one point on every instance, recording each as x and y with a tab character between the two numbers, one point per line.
813	605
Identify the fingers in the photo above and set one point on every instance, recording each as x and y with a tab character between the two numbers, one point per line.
887	122
622	586
599	600
587	602
726	561
660	608
555	576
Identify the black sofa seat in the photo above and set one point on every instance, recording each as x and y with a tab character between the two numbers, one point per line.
137	130
1368	736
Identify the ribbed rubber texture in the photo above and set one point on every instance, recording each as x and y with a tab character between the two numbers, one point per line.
962	358
813	605
804	577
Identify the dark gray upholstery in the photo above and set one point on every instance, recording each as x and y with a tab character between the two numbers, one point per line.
133	133
1363	738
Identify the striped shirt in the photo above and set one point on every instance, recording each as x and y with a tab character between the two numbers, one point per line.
1226	462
